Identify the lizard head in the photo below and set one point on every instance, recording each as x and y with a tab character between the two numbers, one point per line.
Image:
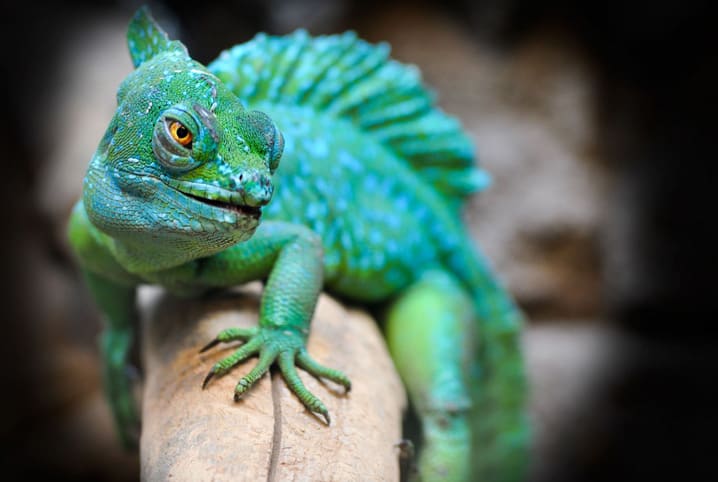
181	153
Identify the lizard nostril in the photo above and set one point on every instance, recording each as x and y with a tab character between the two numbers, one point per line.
241	177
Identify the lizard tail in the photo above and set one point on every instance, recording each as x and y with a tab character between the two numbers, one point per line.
501	429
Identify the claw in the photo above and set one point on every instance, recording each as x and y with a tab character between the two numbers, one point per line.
209	345
208	378
242	386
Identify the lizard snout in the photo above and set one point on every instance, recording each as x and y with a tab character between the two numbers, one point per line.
255	187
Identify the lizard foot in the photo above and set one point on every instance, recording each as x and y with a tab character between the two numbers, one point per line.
287	349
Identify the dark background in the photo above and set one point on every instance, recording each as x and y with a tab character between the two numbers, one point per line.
652	127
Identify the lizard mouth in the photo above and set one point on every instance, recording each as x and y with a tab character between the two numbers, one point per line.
243	209
215	197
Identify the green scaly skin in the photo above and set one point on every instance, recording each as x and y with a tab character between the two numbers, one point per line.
367	206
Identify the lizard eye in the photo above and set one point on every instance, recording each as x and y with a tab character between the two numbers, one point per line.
180	133
181	139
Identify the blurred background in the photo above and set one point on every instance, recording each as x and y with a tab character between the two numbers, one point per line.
596	120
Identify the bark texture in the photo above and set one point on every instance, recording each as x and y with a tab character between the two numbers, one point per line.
194	434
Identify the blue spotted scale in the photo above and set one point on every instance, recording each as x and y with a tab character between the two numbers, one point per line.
358	180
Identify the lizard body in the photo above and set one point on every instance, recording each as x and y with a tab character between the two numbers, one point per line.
365	203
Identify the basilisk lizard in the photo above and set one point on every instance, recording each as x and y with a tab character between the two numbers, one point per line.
365	203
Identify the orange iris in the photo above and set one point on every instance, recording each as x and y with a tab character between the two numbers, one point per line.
180	133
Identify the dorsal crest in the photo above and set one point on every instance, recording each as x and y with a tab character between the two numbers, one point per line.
145	38
345	77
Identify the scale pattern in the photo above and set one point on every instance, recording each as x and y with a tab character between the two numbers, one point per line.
344	77
373	176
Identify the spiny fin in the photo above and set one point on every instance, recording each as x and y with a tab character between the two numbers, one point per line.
145	38
346	77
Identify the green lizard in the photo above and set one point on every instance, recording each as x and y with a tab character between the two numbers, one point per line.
366	205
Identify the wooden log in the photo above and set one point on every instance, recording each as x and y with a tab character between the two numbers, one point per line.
196	435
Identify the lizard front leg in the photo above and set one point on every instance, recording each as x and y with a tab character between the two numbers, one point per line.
117	303
114	291
290	257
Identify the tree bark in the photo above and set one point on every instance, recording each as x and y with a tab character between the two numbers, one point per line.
195	435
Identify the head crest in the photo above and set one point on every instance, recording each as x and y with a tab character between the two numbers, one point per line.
146	39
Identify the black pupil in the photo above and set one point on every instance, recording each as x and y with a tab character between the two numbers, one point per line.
182	132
